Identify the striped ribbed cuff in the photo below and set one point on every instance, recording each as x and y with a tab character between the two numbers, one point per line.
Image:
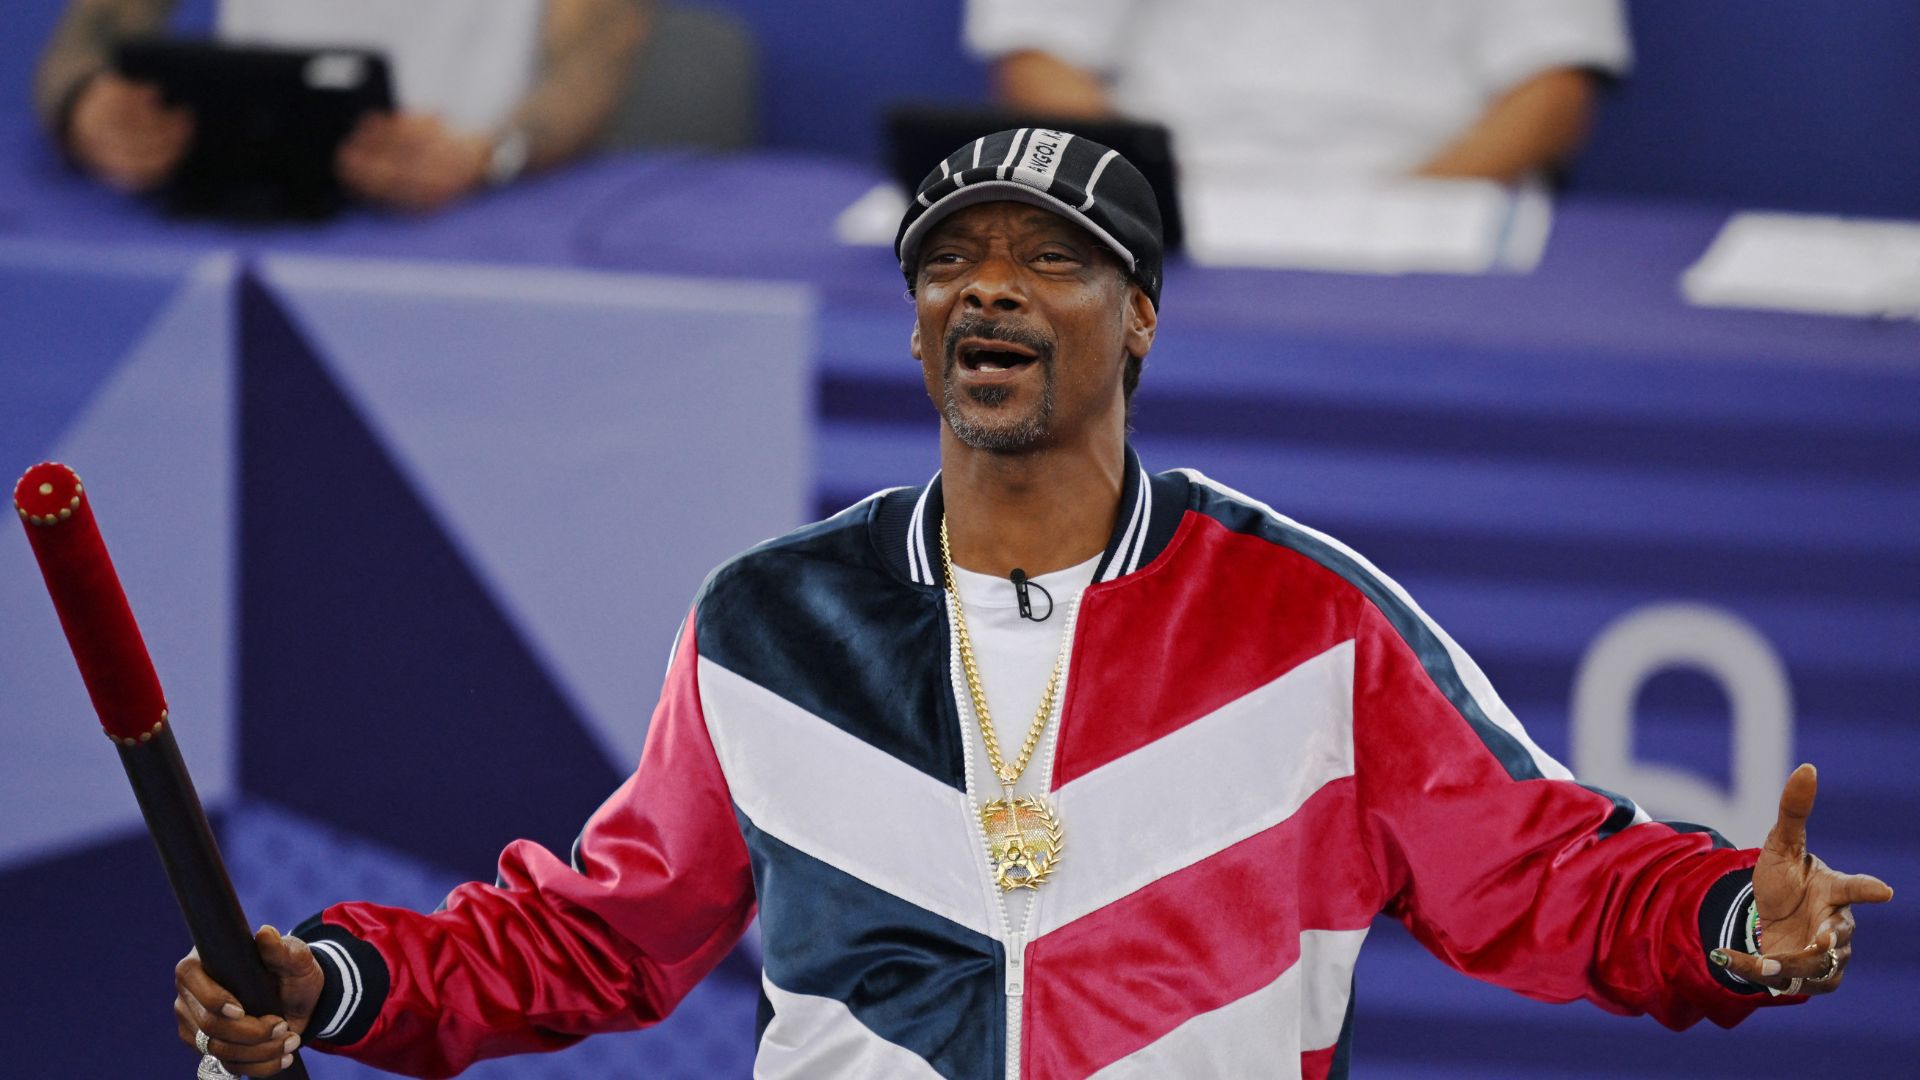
356	983
1723	925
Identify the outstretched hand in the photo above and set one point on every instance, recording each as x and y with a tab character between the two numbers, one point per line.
1805	906
250	1045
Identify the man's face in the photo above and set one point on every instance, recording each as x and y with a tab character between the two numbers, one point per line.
1023	322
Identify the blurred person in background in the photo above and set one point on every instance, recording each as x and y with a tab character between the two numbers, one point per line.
1304	91
485	91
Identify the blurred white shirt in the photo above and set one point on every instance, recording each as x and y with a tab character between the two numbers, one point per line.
1307	89
468	61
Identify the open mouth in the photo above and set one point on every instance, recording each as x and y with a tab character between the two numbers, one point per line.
976	354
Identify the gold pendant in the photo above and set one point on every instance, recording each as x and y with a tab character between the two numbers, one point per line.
1023	841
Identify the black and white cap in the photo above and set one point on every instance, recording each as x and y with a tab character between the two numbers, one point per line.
1077	178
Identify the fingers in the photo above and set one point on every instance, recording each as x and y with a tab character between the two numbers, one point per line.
1752	968
1859	889
137	166
1789	834
274	950
392	135
369	173
266	1054
211	1009
1807	971
249	1045
373	134
291	963
414	165
1829	969
377	160
1748	966
125	133
1809	963
1837	930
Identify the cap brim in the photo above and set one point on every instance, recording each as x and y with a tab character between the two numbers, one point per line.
999	191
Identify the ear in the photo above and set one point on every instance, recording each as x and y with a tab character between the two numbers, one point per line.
913	343
1143	321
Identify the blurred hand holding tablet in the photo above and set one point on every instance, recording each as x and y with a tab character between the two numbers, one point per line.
267	122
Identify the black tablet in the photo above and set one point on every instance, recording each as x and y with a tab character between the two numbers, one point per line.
266	122
919	136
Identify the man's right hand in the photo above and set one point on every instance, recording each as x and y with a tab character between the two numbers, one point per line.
121	131
250	1045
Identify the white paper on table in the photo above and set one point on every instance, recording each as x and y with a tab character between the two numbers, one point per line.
1401	227
872	219
1800	262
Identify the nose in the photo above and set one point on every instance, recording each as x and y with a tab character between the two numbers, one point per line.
996	283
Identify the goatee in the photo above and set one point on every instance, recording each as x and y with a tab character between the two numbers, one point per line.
991	432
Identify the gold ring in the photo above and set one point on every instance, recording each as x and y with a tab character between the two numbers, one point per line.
1833	966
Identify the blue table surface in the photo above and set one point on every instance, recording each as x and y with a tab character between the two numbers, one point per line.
1607	285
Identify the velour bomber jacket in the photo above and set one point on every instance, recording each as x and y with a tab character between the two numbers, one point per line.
1261	744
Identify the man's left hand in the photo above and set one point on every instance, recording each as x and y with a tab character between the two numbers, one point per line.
1805	907
411	161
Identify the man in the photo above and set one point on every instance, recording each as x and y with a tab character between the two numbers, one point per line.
1302	91
1053	764
486	91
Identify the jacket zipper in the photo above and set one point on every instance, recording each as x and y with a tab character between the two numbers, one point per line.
1012	941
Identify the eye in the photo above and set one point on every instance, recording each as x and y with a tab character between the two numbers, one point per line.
1055	258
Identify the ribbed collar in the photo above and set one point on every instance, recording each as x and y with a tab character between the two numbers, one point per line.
906	525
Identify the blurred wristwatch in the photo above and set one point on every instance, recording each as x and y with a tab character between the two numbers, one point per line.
508	159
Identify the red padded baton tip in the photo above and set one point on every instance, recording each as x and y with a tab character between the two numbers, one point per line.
92	607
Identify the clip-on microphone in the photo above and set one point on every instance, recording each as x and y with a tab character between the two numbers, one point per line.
1020	586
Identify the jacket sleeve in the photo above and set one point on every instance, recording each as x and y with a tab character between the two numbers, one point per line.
656	893
1508	869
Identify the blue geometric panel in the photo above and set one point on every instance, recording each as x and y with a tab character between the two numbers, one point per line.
53	362
382	688
93	932
593	444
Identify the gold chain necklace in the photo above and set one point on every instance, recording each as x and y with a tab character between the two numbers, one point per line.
1023	835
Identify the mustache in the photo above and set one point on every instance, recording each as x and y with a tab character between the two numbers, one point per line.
975	326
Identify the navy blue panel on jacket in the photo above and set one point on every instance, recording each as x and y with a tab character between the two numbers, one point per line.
817	618
928	984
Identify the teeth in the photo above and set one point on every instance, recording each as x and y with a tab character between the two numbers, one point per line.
991	360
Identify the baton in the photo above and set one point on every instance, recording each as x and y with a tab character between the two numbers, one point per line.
126	694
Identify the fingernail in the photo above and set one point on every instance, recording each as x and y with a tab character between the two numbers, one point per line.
1769	967
1719	957
280	1029
287	1062
292	1044
232	1011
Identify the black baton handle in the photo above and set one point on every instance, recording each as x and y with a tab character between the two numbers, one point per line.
199	877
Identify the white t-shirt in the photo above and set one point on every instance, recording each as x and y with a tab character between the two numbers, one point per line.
470	62
1307	89
1014	656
